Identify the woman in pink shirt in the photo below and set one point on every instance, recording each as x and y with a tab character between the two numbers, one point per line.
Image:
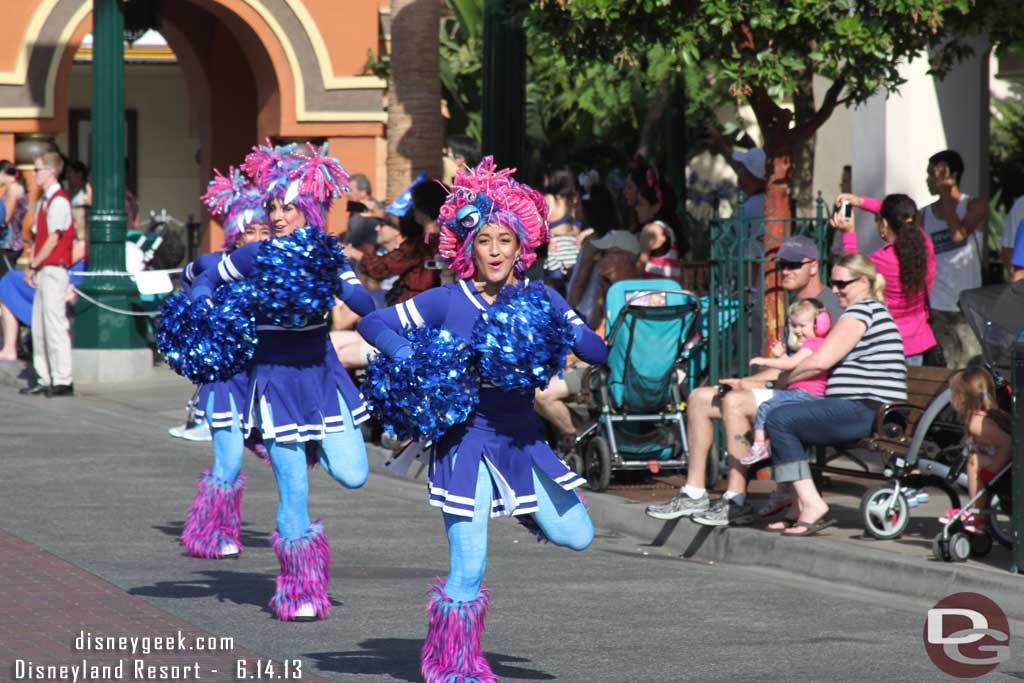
907	262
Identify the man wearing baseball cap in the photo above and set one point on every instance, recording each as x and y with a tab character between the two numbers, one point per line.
604	262
736	407
751	176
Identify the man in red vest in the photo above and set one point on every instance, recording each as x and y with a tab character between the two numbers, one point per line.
48	273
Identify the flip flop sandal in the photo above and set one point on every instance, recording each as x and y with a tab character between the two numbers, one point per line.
785	523
810	528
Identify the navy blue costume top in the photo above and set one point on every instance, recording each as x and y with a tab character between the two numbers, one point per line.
296	378
503	432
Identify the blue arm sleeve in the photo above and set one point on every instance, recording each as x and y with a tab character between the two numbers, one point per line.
587	345
354	294
230	269
383	328
202	263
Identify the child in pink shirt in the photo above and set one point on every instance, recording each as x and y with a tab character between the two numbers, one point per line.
809	322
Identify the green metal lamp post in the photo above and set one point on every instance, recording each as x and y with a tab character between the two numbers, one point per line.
504	93
108	344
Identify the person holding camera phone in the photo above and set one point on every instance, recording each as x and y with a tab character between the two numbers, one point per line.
907	262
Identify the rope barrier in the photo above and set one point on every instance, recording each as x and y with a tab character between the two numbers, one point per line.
140	314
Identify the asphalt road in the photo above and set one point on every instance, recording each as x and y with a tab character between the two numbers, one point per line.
96	481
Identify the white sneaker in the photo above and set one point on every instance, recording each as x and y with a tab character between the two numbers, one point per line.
305	612
197	432
228	549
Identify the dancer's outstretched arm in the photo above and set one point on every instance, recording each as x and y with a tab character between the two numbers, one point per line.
354	294
382	328
588	346
203	263
232	268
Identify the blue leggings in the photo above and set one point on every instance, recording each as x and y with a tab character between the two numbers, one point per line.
228	444
561	516
342	455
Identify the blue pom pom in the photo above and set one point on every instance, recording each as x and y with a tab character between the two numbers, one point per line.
425	394
207	342
522	340
298	276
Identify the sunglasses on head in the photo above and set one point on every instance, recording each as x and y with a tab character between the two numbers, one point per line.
792	265
843	284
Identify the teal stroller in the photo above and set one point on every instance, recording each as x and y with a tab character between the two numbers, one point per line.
652	329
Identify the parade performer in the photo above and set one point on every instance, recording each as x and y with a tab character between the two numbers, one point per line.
298	391
213	523
496	462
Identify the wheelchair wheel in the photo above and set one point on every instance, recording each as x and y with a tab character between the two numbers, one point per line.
878	519
597	459
574	461
960	546
981	545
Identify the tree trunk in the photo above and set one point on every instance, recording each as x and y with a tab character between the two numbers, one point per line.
779	142
803	157
415	125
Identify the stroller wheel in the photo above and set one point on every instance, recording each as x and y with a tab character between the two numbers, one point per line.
574	461
598	462
981	544
882	517
959	546
940	548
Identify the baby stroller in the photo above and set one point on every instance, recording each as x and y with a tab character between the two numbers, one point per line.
641	423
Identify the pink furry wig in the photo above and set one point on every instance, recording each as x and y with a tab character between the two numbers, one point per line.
236	201
314	181
485	195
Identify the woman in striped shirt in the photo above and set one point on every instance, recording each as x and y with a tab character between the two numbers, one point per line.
864	352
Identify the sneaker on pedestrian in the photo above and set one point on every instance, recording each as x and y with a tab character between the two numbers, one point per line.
758	452
725	512
681	505
780	499
200	431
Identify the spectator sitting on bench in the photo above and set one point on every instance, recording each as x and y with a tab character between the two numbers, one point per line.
798	260
864	352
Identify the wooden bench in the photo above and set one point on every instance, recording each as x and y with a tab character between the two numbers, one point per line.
895	424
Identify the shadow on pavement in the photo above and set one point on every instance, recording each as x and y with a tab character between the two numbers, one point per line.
249	538
240	588
400	659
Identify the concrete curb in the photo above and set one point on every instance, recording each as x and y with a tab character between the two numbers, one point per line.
818	557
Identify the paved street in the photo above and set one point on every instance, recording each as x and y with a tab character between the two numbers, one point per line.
96	482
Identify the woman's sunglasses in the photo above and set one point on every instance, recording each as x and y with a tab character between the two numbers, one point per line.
843	284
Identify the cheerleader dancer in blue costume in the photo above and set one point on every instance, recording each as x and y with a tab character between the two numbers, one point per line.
497	462
298	391
213	523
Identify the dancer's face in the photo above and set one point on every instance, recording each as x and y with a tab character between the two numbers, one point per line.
254	232
286	218
495	250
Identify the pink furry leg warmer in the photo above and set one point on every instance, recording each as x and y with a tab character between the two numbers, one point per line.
451	652
215	517
305	569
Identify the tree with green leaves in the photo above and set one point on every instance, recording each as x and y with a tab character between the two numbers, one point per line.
760	49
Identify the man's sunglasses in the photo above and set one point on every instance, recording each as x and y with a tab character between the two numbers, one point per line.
793	265
843	284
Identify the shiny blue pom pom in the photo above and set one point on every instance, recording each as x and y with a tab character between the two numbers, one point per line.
425	394
298	276
207	342
521	341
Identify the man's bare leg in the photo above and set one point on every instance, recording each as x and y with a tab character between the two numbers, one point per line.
549	403
738	411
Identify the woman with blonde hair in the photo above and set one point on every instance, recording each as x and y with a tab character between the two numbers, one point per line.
864	352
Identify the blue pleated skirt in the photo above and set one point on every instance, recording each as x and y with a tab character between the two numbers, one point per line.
229	396
508	437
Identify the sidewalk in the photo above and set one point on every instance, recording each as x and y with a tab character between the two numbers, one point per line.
841	553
